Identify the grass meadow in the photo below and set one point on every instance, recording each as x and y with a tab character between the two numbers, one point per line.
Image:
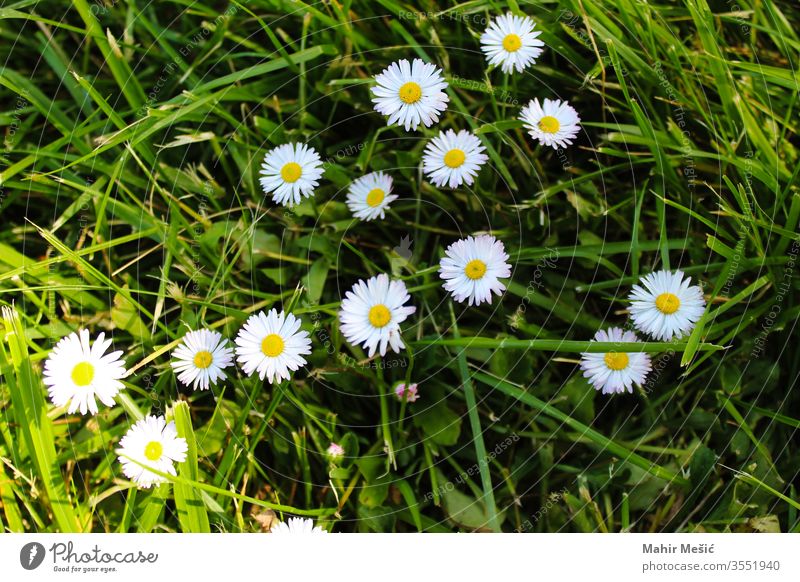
133	136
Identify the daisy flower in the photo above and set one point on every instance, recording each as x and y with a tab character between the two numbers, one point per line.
453	158
156	445
272	345
410	93
409	394
370	195
615	372
471	268
667	306
372	312
511	42
290	172
201	357
77	373
296	525
554	122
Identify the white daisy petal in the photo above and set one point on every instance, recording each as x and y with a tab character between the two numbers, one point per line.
201	358
552	123
369	196
296	525
666	305
511	42
155	444
452	158
273	345
76	373
615	372
371	314
290	172
472	267
410	94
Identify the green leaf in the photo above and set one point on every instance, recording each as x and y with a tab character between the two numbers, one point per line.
439	423
314	281
411	501
125	316
375	519
212	436
374	494
466	511
701	466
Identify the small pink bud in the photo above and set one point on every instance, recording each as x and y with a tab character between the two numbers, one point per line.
408	394
335	451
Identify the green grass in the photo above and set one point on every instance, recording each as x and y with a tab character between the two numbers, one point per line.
133	135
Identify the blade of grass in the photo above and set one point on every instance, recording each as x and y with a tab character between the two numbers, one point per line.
477	433
153	508
192	512
569	346
605	443
30	411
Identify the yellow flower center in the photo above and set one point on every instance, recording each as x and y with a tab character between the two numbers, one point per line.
668	303
454	158
616	360
410	92
512	43
83	374
203	359
549	124
272	345
475	269
291	172
153	450
379	315
375	197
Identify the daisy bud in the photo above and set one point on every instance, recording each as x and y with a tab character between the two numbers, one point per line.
408	394
335	452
